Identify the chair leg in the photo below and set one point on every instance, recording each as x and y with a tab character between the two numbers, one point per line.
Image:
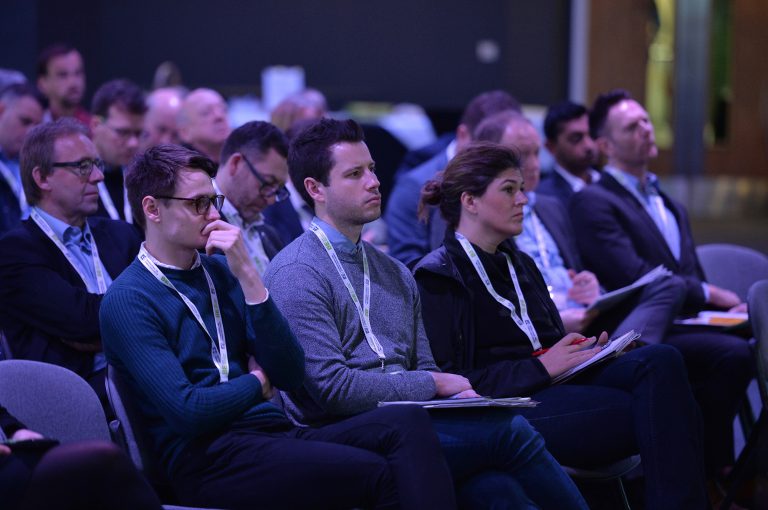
745	462
623	494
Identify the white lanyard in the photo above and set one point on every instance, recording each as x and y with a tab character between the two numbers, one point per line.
253	242
97	268
524	323
109	205
364	312
218	353
15	186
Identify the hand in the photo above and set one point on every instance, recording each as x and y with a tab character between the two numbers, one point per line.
4	450
576	320
585	289
255	369
229	239
740	308
26	435
564	354
466	394
449	384
722	298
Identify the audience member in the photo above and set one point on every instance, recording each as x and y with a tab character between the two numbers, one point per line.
625	226
488	317
202	122
21	109
205	347
252	176
309	104
566	127
357	314
56	265
163	107
409	238
118	118
61	79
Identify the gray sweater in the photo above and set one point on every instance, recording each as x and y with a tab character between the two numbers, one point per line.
343	375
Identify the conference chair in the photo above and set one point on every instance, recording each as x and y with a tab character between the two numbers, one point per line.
732	267
610	473
5	348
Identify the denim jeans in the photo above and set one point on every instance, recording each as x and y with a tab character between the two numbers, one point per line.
499	461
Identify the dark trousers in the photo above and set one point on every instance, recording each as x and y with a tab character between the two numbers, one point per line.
720	367
385	458
641	403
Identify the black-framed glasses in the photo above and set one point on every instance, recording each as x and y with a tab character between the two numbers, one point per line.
82	168
268	189
202	204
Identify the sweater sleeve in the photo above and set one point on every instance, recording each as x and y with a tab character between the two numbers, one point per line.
144	352
338	386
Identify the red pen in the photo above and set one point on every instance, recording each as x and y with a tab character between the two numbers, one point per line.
539	352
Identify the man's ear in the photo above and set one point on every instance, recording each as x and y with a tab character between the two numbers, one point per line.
463	137
150	208
315	189
40	179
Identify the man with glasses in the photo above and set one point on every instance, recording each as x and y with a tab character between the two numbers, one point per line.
56	266
252	176
118	110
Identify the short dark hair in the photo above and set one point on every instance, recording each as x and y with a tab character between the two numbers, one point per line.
16	91
602	105
492	128
471	171
49	53
255	138
560	113
310	155
37	151
123	93
486	104
155	172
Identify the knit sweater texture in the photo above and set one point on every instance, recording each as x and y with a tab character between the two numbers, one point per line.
344	375
154	342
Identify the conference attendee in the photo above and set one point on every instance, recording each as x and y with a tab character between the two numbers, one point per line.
118	120
356	313
488	316
202	122
61	79
163	107
308	104
36	475
56	266
625	226
566	127
547	237
409	238
251	177
21	109
206	346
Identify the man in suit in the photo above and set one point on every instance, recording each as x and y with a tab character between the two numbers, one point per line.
61	79
252	177
625	226
56	266
566	127
117	124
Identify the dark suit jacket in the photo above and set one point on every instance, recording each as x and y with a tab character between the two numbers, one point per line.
285	220
619	241
552	184
270	238
554	216
44	302
10	214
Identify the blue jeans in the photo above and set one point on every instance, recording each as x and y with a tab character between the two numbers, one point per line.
499	461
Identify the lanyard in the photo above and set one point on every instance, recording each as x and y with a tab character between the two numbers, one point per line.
109	204
253	242
15	186
97	267
218	353
524	323
364	312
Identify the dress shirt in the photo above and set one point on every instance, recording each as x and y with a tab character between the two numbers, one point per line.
576	183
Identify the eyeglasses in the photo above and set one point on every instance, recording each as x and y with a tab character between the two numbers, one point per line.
202	204
125	133
82	168
268	189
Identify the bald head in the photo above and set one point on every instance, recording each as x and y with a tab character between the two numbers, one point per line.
163	107
202	122
512	130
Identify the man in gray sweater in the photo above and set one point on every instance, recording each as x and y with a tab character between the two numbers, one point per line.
356	313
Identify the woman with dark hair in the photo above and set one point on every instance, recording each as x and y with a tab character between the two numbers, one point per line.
489	317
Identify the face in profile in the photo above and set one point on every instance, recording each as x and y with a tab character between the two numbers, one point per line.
499	210
629	136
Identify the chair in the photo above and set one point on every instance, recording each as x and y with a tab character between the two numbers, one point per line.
52	400
5	348
733	267
757	300
612	472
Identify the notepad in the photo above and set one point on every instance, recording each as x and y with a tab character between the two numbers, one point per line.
718	319
613	298
450	403
608	351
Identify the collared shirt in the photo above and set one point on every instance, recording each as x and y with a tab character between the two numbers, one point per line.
536	241
340	242
577	184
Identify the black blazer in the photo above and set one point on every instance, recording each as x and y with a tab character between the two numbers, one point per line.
553	185
44	302
620	242
285	220
554	216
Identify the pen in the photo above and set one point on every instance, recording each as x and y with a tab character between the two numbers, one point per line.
539	352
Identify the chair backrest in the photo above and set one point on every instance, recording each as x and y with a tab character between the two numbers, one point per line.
733	267
758	318
52	400
5	348
133	428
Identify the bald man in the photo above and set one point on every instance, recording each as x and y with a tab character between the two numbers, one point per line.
202	122
163	107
